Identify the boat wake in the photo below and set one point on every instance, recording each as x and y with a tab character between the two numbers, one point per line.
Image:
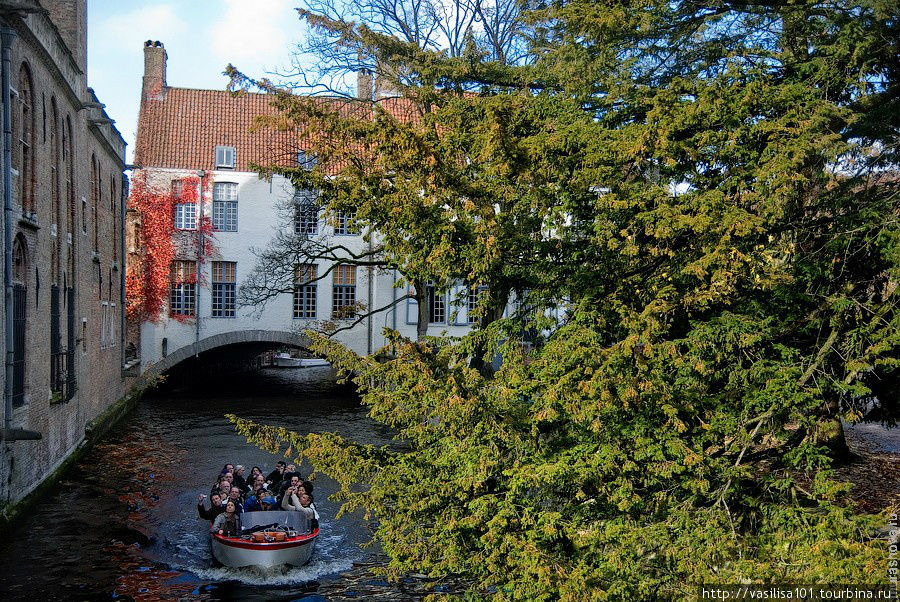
282	575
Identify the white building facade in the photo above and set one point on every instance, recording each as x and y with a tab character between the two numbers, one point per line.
202	138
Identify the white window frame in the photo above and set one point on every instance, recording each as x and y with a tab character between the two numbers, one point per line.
225	207
225	157
185	216
303	224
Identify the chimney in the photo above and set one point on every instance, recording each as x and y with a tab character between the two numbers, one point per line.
70	19
154	70
386	75
364	84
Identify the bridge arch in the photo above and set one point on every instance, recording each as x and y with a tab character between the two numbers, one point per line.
237	337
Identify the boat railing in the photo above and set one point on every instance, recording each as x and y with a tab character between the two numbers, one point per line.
298	521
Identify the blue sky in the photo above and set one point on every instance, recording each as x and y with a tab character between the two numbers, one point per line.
201	38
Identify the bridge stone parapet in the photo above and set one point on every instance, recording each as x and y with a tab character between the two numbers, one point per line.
236	337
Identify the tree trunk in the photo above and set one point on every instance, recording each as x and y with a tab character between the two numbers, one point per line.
421	298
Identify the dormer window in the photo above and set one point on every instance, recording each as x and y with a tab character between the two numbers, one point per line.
224	157
306	160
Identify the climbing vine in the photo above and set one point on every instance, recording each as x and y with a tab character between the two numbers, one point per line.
149	277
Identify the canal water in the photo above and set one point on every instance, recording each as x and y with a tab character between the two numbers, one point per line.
123	523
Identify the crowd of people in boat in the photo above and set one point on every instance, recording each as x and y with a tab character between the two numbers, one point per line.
233	493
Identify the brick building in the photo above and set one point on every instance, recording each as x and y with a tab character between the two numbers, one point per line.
187	136
64	192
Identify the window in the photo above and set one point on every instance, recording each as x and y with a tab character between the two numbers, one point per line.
115	224
70	199
26	141
225	206
20	322
437	305
95	199
186	216
343	296
306	212
306	161
225	157
107	324
177	189
472	305
305	291
223	288
343	223
183	294
54	162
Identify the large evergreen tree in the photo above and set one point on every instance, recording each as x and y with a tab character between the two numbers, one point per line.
707	189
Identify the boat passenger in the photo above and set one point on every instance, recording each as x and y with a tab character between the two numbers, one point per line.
228	523
256	470
222	487
294	482
276	475
259	481
227	468
269	503
302	503
291	501
215	507
235	496
253	503
239	479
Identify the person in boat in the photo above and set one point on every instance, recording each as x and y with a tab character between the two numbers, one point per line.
254	502
222	487
259	481
286	484
215	507
229	467
275	477
299	501
228	523
269	503
239	479
256	470
235	496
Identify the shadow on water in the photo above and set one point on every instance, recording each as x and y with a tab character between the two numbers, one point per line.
123	524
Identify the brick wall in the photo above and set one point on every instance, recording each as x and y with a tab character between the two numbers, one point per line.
69	226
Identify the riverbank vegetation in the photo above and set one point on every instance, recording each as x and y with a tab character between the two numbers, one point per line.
692	209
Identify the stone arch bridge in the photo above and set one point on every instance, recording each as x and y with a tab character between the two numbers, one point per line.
251	342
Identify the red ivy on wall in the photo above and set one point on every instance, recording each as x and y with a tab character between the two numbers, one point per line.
147	279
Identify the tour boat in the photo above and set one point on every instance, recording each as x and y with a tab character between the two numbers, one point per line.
268	538
284	360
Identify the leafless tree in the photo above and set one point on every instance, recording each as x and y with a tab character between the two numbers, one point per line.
330	55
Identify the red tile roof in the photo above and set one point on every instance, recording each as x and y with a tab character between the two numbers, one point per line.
182	127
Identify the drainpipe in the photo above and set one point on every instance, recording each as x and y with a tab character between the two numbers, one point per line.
394	299
371	286
200	173
7	36
123	194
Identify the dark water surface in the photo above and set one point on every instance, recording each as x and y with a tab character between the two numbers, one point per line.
123	522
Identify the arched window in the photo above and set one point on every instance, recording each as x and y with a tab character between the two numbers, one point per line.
54	191
25	158
20	260
54	161
20	322
95	201
69	171
113	202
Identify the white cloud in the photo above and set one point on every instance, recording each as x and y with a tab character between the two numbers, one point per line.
253	35
152	22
